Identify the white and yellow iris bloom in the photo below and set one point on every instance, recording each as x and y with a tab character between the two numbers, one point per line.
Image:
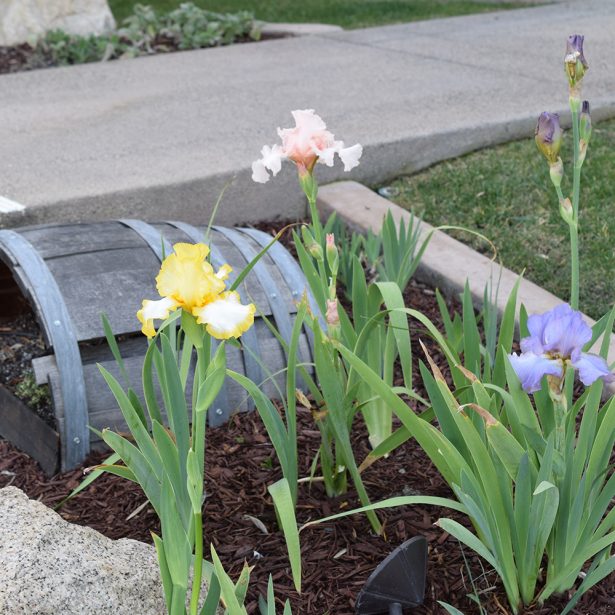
186	280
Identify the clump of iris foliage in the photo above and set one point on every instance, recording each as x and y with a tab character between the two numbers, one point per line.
504	193
147	31
526	454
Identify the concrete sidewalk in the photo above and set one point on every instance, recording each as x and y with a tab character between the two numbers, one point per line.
159	137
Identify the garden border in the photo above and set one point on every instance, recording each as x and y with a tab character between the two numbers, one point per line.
447	263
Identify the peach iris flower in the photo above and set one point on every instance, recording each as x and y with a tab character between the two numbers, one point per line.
306	144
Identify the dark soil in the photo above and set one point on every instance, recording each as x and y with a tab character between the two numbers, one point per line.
24	57
18	58
20	342
337	557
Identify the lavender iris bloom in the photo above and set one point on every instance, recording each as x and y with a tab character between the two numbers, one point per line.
548	135
557	339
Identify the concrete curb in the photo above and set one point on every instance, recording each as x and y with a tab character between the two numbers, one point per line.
447	263
283	30
192	200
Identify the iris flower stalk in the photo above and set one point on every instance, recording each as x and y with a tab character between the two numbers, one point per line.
188	282
549	137
576	65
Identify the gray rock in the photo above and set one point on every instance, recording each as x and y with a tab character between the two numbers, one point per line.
51	567
23	20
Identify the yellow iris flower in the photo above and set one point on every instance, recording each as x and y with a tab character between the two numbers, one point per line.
188	281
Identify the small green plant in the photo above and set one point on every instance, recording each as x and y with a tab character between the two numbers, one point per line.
147	32
192	27
34	395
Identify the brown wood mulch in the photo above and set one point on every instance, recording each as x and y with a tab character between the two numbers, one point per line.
337	557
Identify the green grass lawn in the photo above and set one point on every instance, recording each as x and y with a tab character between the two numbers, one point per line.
505	193
346	13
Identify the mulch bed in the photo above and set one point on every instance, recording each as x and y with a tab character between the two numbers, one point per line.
337	557
25	57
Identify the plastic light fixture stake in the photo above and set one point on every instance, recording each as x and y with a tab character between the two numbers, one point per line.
398	581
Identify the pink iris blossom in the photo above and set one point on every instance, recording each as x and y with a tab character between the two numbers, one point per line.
306	144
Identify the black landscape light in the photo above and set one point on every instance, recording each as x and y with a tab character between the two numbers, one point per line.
398	581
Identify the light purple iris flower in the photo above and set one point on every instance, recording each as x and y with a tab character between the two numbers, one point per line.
556	339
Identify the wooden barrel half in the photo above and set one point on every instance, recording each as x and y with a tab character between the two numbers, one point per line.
73	273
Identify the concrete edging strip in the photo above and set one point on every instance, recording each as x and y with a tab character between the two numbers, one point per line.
283	29
446	263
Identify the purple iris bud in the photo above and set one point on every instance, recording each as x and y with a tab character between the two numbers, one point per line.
557	339
574	49
548	136
575	61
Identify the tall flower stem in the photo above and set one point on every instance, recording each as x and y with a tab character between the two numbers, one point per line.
576	189
310	189
199	418
574	264
316	224
198	563
561	413
198	444
574	251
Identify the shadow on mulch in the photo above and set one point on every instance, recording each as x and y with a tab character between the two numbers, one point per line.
337	557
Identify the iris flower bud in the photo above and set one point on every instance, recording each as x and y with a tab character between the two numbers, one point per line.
548	136
585	129
556	172
333	319
566	211
333	258
310	243
575	63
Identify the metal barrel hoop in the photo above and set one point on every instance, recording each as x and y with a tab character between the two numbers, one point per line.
150	235
57	321
292	274
280	314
